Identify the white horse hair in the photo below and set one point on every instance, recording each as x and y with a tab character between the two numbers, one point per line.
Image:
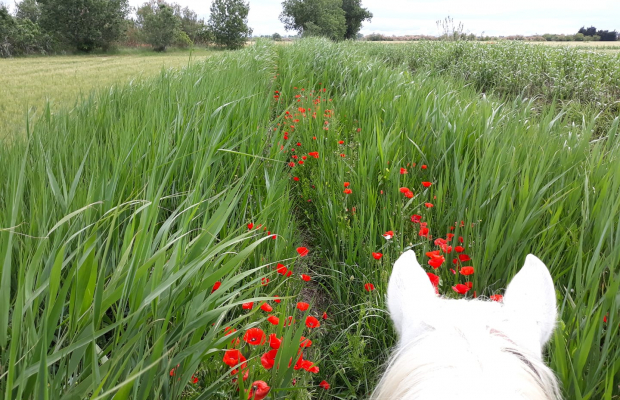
469	349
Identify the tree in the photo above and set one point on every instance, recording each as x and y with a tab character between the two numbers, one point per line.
229	23
28	9
276	37
84	24
354	15
315	18
159	24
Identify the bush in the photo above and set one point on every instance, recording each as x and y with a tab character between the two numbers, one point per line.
182	40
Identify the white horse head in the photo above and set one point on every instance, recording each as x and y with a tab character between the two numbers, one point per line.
470	349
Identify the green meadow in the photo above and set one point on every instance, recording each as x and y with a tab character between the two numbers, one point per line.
137	225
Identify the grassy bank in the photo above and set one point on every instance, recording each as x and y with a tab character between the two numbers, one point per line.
119	217
28	83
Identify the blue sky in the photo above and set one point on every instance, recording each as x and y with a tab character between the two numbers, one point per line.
494	17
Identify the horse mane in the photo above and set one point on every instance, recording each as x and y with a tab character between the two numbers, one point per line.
465	362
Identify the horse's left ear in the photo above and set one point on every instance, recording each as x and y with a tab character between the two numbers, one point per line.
531	297
410	297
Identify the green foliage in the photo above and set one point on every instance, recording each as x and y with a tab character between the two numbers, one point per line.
228	23
28	9
276	37
19	36
324	18
182	40
111	241
85	25
160	27
354	15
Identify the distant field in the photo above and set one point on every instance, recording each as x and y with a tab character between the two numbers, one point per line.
27	83
610	47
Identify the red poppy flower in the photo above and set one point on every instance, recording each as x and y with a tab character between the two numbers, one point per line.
312	322
216	286
341	142
377	256
460	288
305	342
432	254
277	300
305	277
428	205
369	287
281	269
314	154
459	249
289	273
423	232
423	166
300	162
343	155
409	195
250	225
254	336
233	357
469	284
436	262
403	171
433	278
274	342
404	190
259	390
467	271
427	184
268	359
228	330
388	235
194	380
348	191
324	385
247	306
453	271
324	316
446	249
296	179
172	372
295	157
273	320
449	236
302	306
415	218
346	184
313	137
302	251
497	297
266	307
439	241
359	129
291	164
464	257
460	239
264	281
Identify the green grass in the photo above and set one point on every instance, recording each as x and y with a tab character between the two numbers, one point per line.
29	83
118	216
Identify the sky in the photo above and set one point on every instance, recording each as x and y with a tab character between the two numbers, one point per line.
418	17
493	17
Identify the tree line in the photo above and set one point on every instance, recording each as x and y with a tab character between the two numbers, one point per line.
51	26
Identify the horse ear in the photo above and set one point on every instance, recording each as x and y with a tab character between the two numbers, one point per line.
410	296
531	299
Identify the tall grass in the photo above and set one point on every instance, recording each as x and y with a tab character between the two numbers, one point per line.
521	181
119	216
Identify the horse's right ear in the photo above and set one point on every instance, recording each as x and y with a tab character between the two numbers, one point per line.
410	296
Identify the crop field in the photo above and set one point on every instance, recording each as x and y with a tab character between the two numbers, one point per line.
237	220
32	83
